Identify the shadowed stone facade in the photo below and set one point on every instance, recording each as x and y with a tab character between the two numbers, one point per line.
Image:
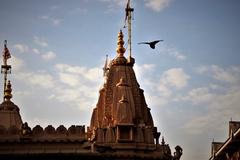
230	149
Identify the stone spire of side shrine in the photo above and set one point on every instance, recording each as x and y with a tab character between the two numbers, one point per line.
9	112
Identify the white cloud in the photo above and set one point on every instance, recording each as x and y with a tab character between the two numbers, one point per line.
56	21
22	48
115	2
219	109
157	5
197	96
229	75
173	52
54	7
40	41
41	79
48	56
69	79
36	51
114	5
216	103
44	17
160	87
16	63
175	77
92	74
164	91
78	85
141	70
177	55
53	20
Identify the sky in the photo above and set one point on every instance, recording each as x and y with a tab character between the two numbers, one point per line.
191	80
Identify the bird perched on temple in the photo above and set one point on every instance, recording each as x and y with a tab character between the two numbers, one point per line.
151	44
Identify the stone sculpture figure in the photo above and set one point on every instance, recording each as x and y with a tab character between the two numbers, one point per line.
25	130
178	153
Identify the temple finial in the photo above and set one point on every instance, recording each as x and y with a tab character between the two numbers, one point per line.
8	92
5	44
163	141
120	48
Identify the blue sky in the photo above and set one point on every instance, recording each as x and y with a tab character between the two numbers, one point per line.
191	80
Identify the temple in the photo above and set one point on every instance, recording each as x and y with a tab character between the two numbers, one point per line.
122	119
121	126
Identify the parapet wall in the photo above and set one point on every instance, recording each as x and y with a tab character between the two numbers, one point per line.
38	133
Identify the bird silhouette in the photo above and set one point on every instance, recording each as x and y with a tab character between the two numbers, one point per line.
151	44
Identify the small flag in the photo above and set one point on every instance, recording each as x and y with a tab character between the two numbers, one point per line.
6	53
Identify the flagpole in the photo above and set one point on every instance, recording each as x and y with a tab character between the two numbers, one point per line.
129	11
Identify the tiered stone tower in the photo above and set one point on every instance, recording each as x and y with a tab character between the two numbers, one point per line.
122	119
9	112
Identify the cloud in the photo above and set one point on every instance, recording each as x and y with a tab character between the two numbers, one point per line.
44	17
114	5
40	79
229	75
173	52
157	5
22	48
40	41
119	3
53	20
160	87
36	51
197	96
77	85
145	68
219	109
56	21
175	77
54	7
16	63
216	103
89	74
48	56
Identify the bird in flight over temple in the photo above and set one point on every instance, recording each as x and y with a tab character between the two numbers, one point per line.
151	44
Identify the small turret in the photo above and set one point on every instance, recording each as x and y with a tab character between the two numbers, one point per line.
9	112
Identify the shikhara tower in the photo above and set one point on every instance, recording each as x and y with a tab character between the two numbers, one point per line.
121	119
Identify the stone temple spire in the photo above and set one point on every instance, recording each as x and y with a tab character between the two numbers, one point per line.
9	112
121	118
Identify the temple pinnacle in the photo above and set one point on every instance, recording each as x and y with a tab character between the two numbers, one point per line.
120	48
8	92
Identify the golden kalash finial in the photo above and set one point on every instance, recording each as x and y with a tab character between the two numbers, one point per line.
120	48
8	92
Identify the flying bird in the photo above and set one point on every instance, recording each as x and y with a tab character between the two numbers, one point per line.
151	44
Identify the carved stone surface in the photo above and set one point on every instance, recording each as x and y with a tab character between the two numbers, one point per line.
121	119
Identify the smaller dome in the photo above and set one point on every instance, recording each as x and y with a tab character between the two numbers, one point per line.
9	106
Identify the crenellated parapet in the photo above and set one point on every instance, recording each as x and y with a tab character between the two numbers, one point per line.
38	133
